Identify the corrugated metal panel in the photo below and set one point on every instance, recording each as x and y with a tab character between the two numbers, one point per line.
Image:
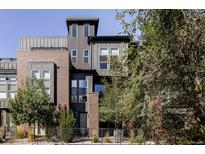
27	43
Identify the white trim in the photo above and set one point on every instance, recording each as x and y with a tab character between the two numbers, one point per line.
74	56
86	56
76	31
115	48
103	55
84	30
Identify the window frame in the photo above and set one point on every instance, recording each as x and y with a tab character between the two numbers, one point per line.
76	31
104	55
74	56
117	49
4	92
86	56
79	90
42	76
36	71
114	55
84	30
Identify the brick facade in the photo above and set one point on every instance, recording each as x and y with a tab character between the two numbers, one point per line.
61	60
93	112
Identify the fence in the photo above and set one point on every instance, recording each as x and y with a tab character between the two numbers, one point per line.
115	136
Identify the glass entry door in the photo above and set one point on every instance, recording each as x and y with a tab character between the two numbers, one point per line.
83	123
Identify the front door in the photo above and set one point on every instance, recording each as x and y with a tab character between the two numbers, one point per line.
83	123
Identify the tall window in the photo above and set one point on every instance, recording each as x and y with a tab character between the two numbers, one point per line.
86	30
74	56
74	30
12	87
85	55
82	91
114	56
46	80
103	58
45	77
2	87
74	91
79	91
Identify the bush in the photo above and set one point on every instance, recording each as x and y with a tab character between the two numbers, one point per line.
95	138
106	138
67	125
132	137
21	133
139	138
30	135
1	135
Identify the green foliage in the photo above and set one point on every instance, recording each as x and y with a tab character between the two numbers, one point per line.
67	125
168	61
140	138
21	133
95	138
1	134
31	104
107	138
137	137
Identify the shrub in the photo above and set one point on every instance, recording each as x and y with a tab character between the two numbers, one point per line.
132	137
140	136
95	138
30	135
67	125
106	138
1	135
21	133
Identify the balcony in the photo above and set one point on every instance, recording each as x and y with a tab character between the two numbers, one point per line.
43	43
4	104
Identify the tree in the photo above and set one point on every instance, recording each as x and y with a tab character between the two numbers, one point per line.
169	62
67	125
32	104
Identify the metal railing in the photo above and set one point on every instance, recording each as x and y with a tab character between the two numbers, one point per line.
113	136
35	43
4	104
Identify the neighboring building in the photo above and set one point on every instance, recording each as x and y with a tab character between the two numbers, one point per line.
7	88
71	67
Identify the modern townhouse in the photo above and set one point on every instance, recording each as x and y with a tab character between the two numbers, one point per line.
71	68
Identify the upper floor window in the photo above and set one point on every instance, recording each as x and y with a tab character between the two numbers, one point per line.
103	58
74	91
2	95
85	55
83	91
12	80
2	87
74	30
114	56
36	74
86	30
46	75
2	80
74	56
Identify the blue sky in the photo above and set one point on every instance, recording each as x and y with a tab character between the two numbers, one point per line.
17	23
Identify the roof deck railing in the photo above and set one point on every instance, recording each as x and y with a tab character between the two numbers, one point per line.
35	43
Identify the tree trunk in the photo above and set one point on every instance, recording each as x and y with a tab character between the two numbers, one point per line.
34	131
